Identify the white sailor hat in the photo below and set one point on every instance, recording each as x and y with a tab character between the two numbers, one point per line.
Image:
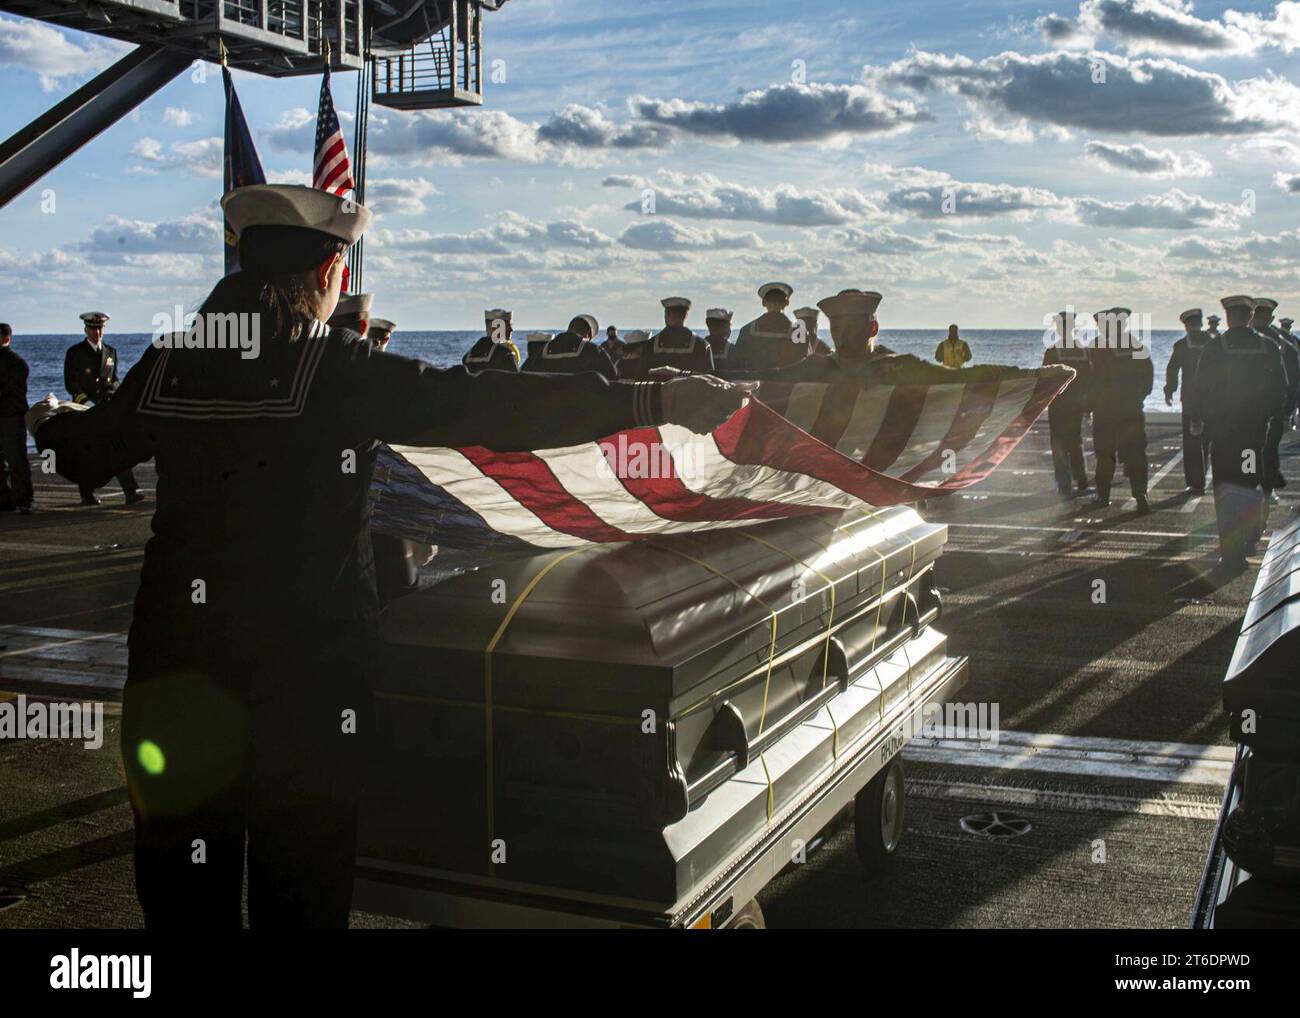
307	208
717	314
353	304
497	315
382	324
676	302
807	313
539	337
767	288
591	320
94	317
1238	300
1190	313
850	302
633	336
1267	303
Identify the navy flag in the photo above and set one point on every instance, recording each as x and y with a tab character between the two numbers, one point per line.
242	166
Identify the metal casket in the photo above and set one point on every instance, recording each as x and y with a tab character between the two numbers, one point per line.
623	719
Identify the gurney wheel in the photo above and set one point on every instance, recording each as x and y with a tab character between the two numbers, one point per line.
748	918
878	818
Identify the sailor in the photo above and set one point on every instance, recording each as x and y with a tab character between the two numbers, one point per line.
1262	322
636	344
1212	326
1122	378
806	319
676	346
1238	388
536	343
255	620
572	351
353	313
16	480
613	346
380	332
495	350
718	322
1065	413
1284	324
1184	358
953	352
767	343
90	376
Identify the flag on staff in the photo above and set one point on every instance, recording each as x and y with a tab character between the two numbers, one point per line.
793	450
242	167
332	170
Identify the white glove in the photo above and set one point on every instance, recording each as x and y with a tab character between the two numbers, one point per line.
702	402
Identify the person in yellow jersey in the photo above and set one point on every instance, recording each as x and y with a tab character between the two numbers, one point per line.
953	352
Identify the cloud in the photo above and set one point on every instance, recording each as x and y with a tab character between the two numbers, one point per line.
785	113
1288	182
203	158
882	241
666	235
945	197
1171	26
1103	92
197	233
509	232
403	196
179	116
49	53
584	127
783	205
1173	210
1138	158
1055	28
1282	248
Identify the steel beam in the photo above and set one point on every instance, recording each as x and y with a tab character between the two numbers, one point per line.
36	149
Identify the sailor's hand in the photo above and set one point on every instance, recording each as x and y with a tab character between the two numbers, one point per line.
664	373
702	402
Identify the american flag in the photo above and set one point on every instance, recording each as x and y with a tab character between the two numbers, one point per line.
793	450
333	169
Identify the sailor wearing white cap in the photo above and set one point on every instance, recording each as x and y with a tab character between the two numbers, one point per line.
380	332
1065	413
1239	386
1184	359
718	322
1262	321
496	349
255	626
674	346
806	331
1122	378
768	342
572	351
90	376
353	312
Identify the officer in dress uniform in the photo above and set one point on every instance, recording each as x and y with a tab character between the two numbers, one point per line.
766	343
1122	377
1065	413
15	471
613	346
572	351
1212	326
718	322
1262	322
1238	388
380	333
953	352
676	346
495	350
90	376
1184	359
255	621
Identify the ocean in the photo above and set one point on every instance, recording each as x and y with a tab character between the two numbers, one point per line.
1020	347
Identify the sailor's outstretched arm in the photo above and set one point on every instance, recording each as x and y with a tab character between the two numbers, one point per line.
92	446
413	403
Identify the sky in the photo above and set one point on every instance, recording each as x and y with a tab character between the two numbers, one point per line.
986	163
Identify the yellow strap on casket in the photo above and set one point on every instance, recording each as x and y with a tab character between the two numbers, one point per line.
771	649
487	688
